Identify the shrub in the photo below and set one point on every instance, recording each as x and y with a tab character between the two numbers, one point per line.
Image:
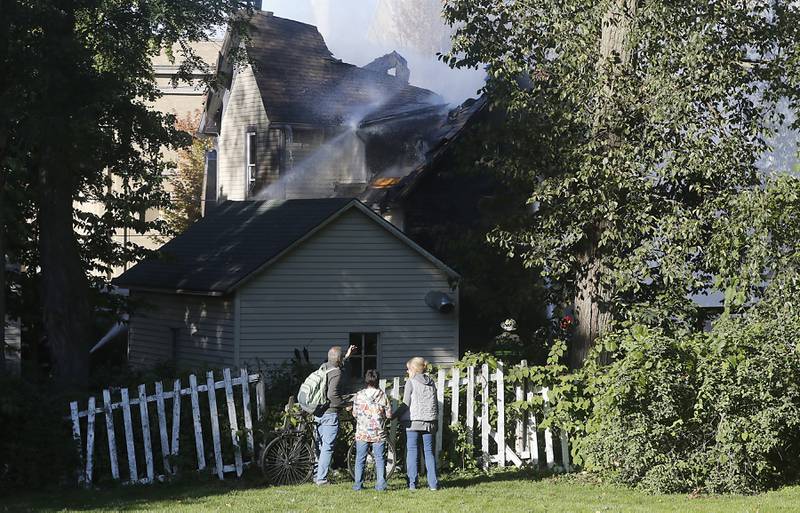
716	412
36	449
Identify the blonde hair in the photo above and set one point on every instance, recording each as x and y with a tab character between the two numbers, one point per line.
417	365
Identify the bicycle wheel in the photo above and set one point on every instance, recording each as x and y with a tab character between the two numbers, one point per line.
369	467
288	460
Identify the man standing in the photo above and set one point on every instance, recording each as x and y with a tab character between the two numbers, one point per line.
327	415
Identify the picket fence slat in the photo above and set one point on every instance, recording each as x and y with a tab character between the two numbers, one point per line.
395	402
176	420
128	424
112	440
485	414
455	391
470	406
215	437
248	418
533	434
198	426
76	436
233	421
442	374
145	418
162	427
548	434
501	414
90	441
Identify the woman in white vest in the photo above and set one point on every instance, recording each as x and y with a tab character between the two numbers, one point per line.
420	398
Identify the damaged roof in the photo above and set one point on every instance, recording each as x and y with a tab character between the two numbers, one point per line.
302	83
388	186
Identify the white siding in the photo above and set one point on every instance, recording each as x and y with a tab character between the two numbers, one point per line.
352	276
13	345
244	109
205	331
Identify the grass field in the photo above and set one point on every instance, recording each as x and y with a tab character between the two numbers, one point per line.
504	491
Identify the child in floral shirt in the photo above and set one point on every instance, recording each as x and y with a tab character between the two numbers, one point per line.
371	409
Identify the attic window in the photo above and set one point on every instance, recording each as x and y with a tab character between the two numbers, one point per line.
250	153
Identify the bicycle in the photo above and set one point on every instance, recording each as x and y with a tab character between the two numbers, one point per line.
290	458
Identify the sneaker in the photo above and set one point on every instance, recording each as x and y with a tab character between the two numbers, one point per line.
356	488
321	483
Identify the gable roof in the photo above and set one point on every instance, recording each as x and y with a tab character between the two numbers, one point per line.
238	239
302	83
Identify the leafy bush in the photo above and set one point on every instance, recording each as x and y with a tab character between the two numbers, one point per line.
716	412
36	449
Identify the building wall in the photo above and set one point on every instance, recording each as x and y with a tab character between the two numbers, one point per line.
201	328
13	346
351	277
244	109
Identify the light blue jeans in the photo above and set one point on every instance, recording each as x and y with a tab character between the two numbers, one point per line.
327	429
412	442
380	464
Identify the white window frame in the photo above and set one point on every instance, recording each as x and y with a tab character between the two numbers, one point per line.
250	149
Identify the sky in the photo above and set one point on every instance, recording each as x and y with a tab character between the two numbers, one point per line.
358	31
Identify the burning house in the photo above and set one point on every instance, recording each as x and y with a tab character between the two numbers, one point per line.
320	195
298	123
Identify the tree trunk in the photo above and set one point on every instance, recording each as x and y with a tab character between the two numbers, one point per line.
591	312
2	268
65	289
592	306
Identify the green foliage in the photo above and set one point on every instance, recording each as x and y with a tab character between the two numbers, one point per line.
634	127
36	450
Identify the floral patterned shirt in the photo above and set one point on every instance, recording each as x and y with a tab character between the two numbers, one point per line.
371	408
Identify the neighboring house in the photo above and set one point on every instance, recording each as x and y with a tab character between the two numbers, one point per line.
298	123
254	280
183	99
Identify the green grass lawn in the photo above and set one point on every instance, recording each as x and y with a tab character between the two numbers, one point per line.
510	491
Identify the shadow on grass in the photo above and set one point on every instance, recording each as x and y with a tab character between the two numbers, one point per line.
469	480
194	491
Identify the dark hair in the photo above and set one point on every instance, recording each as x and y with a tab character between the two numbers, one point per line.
371	378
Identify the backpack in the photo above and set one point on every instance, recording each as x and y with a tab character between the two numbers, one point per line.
314	390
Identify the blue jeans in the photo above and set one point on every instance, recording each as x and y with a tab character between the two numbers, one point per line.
327	429
412	442
380	464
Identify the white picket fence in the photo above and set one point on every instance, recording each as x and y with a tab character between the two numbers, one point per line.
169	436
472	390
490	387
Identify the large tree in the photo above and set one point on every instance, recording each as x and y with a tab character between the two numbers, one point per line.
79	95
634	122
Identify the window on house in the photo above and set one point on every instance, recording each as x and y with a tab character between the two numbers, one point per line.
365	357
250	155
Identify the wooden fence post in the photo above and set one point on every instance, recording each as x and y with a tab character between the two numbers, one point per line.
198	426
485	415
395	402
215	437
176	421
148	447
126	418
548	434
455	392
261	398
244	376
533	434
233	421
519	434
90	421
76	437
440	384
470	405
162	427
501	415
112	441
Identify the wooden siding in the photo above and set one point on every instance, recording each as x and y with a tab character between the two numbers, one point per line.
243	110
352	276
205	331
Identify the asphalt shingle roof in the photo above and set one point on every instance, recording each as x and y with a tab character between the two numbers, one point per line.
230	243
301	83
